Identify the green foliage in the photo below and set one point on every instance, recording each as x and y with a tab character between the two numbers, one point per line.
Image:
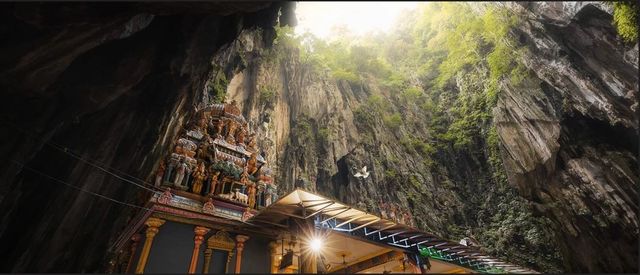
393	121
395	81
625	18
217	87
227	169
268	96
324	135
412	94
493	144
342	74
390	174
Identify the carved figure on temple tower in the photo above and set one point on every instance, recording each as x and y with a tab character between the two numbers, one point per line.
244	178
231	130
180	171
186	146
203	151
213	182
240	137
198	178
219	127
252	195
251	144
174	161
232	108
252	164
202	121
191	164
160	174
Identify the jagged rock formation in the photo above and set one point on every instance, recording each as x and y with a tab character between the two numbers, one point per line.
571	137
568	138
112	82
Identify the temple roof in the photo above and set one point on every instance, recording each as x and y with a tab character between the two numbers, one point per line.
340	217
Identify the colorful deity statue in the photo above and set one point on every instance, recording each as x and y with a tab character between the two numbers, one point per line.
174	161
198	178
191	164
244	178
180	172
251	192
213	182
252	164
231	129
203	151
203	120
160	174
240	137
219	128
251	144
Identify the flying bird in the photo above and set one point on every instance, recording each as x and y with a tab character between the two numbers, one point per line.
363	173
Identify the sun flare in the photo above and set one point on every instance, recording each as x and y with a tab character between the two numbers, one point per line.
320	18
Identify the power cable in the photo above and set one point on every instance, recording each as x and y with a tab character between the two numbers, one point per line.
70	152
78	188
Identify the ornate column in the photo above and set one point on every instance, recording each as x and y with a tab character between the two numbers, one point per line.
153	225
207	260
273	251
239	247
134	245
197	240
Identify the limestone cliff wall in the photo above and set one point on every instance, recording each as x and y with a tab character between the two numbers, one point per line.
568	141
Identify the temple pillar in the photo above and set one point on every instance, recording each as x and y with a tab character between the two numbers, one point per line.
197	240
273	251
207	260
239	247
153	225
134	246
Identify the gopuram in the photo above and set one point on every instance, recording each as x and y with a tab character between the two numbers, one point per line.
217	210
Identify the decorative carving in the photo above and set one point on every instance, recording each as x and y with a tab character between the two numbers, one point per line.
165	197
213	182
186	144
240	197
251	193
232	108
180	171
219	127
174	161
251	145
252	164
240	136
160	174
231	129
221	241
198	178
246	215
208	207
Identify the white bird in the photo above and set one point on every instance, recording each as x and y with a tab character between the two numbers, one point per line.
363	173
